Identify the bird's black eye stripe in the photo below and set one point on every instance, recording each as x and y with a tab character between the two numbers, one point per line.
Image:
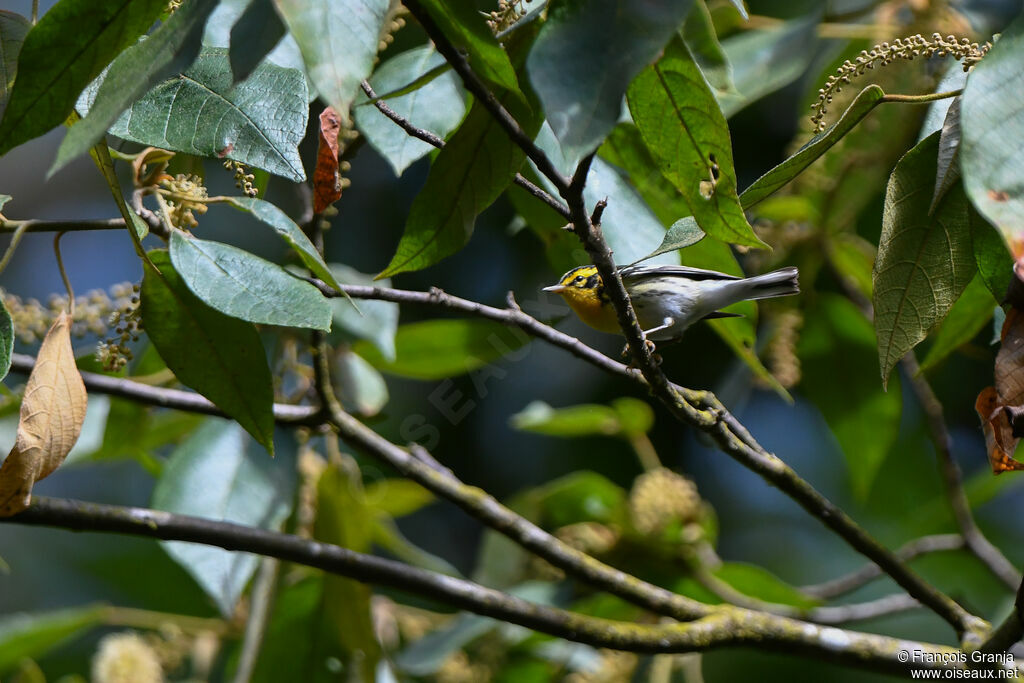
593	281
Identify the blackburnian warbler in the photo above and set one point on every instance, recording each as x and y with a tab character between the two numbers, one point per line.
668	299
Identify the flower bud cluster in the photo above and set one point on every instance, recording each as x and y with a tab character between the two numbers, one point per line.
908	48
189	195
243	179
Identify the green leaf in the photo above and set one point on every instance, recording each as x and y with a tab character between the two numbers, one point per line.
626	417
635	416
995	264
578	497
254	35
338	40
169	50
948	166
26	635
363	391
244	286
688	137
585	56
259	121
759	583
968	316
435	349
291	233
765	61
6	339
683	233
60	56
702	41
292	631
426	656
218	356
375	321
993	115
397	497
853	257
465	27
436	106
924	261
625	148
217	474
815	147
473	169
343	518
13	28
581	420
837	355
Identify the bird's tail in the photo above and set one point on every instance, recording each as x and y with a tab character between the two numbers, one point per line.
781	282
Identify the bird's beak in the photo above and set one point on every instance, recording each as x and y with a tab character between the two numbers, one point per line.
554	288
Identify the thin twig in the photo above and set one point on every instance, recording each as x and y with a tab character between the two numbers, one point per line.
64	275
867	573
435	141
34	225
169	398
19	232
261	602
1011	631
953	479
728	626
474	85
838	614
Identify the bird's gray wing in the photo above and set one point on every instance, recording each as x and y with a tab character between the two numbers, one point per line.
640	273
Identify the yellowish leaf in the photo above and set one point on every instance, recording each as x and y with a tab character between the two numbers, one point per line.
52	413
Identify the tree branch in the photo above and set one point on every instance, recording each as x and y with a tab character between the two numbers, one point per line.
854	580
1009	632
170	398
726	627
34	225
435	141
474	85
953	479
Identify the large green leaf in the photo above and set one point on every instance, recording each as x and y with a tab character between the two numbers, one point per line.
700	37
6	339
290	232
361	388
244	286
169	50
13	28
253	36
992	115
965	320
472	170
585	56
375	321
338	40
259	121
837	355
465	27
625	148
219	356
924	261
26	635
765	61
218	474
61	54
815	147
436	106
436	349
680	122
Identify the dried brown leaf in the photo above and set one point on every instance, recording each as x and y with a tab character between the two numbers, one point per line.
999	438
326	177
52	413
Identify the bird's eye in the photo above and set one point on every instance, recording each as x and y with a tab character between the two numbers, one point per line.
578	278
